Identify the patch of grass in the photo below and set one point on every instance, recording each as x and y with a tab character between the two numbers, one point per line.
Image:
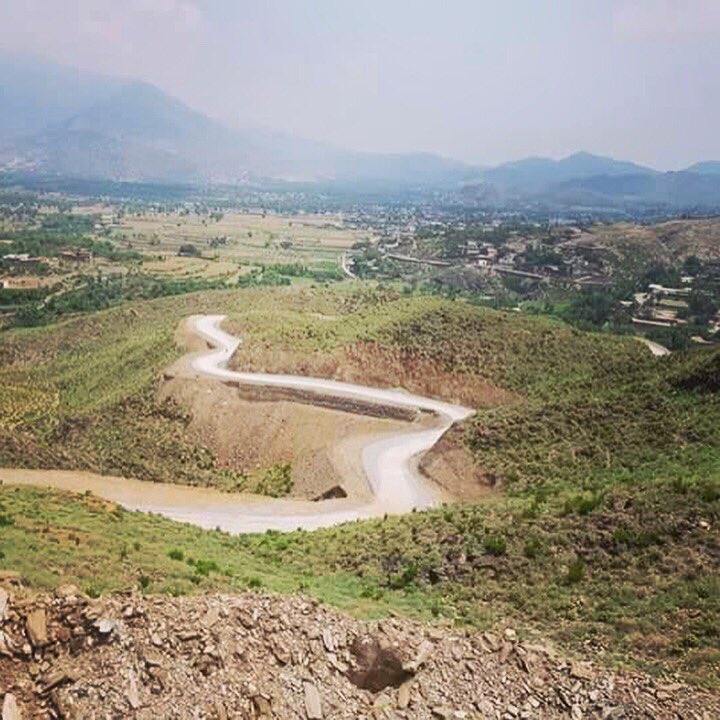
276	481
495	545
66	538
575	572
533	548
81	395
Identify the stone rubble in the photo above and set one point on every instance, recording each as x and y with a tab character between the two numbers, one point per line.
257	656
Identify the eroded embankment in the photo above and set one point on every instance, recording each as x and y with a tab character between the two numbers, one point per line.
251	429
448	464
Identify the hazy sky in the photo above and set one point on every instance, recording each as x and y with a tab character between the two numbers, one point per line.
478	80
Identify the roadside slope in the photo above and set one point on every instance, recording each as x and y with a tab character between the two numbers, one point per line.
263	656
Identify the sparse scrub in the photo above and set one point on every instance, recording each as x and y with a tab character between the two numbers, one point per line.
81	395
414	564
575	572
276	481
205	567
533	548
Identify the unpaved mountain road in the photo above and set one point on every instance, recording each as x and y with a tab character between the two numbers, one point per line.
656	349
389	462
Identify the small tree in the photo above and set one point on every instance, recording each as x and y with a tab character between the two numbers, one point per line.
189	250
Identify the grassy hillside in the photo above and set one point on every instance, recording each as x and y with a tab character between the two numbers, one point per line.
561	410
81	394
607	535
637	246
574	411
450	349
634	579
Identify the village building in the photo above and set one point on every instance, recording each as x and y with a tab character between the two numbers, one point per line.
75	255
21	262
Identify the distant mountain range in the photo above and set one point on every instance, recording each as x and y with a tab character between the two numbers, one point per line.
536	174
62	122
706	168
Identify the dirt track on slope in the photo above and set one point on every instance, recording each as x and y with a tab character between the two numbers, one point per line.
251	429
388	460
322	445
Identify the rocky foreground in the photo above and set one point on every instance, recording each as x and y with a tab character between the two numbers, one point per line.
263	656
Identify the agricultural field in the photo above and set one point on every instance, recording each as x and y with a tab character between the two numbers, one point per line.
248	238
55	264
174	266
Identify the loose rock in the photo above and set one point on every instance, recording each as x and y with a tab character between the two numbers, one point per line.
10	709
37	627
3	604
313	706
162	662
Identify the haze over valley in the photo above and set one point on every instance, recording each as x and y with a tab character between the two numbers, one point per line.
60	122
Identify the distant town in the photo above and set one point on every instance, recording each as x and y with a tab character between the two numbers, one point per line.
659	277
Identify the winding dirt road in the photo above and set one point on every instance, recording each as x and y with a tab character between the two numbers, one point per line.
390	463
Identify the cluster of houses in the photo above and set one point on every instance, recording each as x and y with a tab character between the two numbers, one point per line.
660	306
27	264
21	262
580	265
481	254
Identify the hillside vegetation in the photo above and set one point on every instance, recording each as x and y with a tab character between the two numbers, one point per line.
562	409
606	538
81	394
668	242
448	349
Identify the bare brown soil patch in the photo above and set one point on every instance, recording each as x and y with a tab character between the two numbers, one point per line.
322	445
250	429
671	241
368	363
451	465
28	282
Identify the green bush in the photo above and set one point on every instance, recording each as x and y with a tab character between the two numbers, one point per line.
205	567
533	548
404	579
276	481
495	545
575	572
582	504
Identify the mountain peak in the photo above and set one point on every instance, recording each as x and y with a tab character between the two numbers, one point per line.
707	167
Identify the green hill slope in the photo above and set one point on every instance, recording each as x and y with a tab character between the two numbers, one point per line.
607	534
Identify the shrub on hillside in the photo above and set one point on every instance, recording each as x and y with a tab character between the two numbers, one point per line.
701	373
